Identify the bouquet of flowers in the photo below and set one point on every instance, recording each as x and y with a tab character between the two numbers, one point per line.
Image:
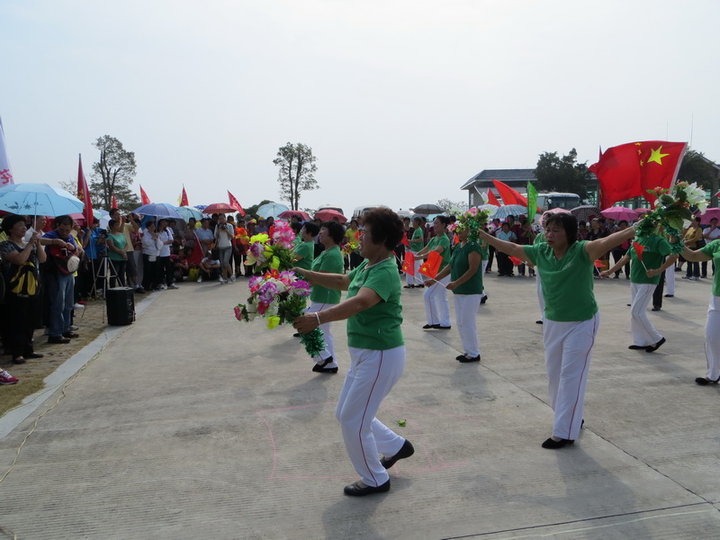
472	221
278	295
673	210
351	246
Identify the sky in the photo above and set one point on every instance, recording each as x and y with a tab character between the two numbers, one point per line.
401	101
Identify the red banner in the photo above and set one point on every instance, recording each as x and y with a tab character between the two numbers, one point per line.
184	198
144	199
235	203
83	193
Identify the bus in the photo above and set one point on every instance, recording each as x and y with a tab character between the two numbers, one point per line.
547	201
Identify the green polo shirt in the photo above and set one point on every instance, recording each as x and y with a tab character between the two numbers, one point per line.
713	250
330	261
656	249
567	283
444	242
306	250
539	238
459	264
417	240
379	327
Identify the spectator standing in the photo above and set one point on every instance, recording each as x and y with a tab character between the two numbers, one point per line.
505	265
224	235
151	246
693	238
165	268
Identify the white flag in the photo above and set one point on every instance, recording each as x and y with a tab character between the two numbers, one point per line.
6	177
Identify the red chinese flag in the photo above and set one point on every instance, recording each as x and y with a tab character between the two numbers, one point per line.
408	265
599	264
631	169
184	198
431	266
113	203
405	242
491	198
639	248
508	194
235	203
516	261
83	194
144	199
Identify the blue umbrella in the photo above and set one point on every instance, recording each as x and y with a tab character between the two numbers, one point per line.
159	210
38	200
187	212
510	210
271	209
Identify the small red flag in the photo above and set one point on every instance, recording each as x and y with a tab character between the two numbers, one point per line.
144	199
599	264
408	265
184	198
516	261
83	194
235	203
508	194
492	199
639	248
405	242
431	266
113	203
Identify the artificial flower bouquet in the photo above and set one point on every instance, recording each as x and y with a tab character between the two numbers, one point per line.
473	221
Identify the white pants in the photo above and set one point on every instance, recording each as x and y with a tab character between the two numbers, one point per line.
437	309
466	309
670	280
712	338
329	349
541	298
568	348
643	331
371	376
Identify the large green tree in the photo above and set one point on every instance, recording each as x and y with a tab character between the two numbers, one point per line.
113	174
565	174
297	172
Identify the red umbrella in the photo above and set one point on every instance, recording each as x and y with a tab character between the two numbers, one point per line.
330	215
287	214
219	208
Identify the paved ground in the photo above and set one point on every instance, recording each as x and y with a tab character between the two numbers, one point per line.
188	424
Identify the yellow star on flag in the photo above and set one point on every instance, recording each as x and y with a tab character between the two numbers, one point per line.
656	155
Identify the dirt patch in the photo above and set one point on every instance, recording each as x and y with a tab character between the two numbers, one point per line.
90	321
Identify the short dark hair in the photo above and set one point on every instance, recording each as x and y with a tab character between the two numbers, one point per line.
443	219
385	227
10	221
311	228
63	220
567	222
335	230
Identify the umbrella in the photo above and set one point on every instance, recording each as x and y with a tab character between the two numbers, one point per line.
271	209
557	210
219	208
38	200
159	210
641	211
188	211
491	208
427	209
585	212
510	210
330	215
709	214
287	214
620	213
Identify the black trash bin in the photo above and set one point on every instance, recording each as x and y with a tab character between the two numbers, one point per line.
120	306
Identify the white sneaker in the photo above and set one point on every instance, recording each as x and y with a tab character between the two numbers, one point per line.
163	287
232	278
199	280
79	306
221	280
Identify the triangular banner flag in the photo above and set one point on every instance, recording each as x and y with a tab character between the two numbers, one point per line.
144	199
491	198
184	198
6	177
235	203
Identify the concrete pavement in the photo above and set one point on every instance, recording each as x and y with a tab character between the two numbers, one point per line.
190	424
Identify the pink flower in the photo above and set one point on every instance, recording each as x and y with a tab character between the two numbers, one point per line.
238	313
473	211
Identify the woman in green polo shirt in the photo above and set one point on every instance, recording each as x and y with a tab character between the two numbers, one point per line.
417	242
644	276
710	252
467	286
565	267
305	250
377	350
437	309
330	261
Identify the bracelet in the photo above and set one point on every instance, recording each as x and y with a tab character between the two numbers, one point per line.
317	316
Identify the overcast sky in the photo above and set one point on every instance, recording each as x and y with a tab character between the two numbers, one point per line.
401	101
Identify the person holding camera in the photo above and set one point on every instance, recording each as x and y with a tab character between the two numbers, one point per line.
224	235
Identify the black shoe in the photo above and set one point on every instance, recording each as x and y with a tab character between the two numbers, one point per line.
355	490
669	296
637	347
440	327
483	299
34	355
554	445
320	368
465	359
656	309
653	348
70	335
539	321
704	381
420	286
18	360
406	450
58	339
409	287
459	357
297	334
428	326
140	290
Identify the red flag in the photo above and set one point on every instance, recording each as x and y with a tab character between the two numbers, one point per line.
431	266
6	176
408	265
197	253
83	193
639	248
629	170
599	264
491	198
144	199
184	198
235	203
113	203
516	261
405	242
508	194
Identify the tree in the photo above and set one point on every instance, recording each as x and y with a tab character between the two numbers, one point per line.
564	174
252	210
297	168
113	174
452	207
695	167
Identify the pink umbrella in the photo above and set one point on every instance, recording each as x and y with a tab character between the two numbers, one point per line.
330	215
219	208
641	211
620	213
287	214
557	211
709	214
